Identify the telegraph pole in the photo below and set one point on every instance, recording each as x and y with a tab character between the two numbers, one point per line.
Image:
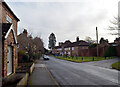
97	41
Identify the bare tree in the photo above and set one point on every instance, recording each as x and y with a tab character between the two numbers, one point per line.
89	40
39	45
115	26
30	45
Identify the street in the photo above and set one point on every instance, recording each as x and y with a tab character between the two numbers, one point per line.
70	73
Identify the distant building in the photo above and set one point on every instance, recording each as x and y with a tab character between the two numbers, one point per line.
103	41
70	48
22	38
117	40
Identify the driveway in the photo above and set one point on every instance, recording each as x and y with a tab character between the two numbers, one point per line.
70	74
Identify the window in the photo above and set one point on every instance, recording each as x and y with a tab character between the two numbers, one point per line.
8	19
69	53
69	48
59	49
72	48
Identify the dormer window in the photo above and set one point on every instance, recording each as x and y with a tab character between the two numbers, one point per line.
8	19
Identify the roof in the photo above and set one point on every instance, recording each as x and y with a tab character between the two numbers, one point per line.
56	47
73	44
6	28
80	43
5	4
113	44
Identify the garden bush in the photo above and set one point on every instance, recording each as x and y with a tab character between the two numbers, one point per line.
22	57
36	56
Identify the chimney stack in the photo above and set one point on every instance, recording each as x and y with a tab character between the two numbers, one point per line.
77	39
25	32
60	43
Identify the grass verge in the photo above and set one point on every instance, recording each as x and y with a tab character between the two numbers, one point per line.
83	59
116	65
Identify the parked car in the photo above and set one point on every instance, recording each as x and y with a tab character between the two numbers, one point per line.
45	57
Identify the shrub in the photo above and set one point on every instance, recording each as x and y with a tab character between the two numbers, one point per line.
36	56
21	52
119	44
22	57
110	51
25	58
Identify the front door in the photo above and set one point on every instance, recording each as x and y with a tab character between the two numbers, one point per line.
9	60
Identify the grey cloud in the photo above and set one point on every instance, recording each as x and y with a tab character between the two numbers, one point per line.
66	19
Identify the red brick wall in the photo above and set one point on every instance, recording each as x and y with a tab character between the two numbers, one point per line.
75	52
0	59
118	51
91	52
9	42
5	12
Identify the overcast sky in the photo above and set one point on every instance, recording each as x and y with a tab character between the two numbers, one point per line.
67	19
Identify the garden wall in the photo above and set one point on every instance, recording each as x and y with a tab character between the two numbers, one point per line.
92	52
118	51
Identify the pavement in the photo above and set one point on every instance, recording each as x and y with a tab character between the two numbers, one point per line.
41	76
69	73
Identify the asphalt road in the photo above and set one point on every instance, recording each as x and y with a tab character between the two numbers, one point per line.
70	73
104	63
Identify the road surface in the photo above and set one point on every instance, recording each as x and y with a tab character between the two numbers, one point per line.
69	73
104	63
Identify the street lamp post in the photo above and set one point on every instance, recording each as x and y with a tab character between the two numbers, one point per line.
97	41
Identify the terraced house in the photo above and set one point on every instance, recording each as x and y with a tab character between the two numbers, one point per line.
9	23
70	48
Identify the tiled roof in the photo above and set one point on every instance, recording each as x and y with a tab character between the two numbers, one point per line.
73	44
80	43
113	44
5	4
56	47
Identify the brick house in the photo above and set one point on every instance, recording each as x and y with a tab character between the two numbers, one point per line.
22	39
70	48
117	40
9	40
